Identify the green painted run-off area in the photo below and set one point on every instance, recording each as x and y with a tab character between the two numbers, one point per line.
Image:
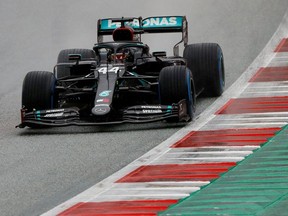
258	185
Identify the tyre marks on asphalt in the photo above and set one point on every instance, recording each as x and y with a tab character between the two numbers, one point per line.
238	128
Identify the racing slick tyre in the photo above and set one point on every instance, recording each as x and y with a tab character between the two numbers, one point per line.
38	91
176	83
206	62
63	57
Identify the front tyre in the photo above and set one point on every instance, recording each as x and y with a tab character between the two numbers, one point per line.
175	84
38	91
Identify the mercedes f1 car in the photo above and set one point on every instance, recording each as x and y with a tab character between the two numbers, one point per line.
121	81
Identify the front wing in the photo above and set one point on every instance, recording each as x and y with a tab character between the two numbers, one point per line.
135	114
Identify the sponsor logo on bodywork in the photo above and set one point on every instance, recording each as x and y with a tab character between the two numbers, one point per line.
104	93
104	100
152	111
98	105
151	22
151	107
54	110
101	109
53	115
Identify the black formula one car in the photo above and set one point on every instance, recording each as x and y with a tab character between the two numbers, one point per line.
121	81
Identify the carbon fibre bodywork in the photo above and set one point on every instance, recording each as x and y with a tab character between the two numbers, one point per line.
121	83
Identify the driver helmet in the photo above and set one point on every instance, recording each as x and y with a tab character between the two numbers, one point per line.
123	34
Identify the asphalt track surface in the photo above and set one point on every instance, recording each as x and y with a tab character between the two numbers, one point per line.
42	168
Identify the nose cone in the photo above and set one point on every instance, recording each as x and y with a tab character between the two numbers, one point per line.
101	109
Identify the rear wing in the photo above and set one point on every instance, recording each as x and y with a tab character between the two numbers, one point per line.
159	24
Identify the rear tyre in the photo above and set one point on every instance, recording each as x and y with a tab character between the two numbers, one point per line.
63	57
206	61
176	83
38	91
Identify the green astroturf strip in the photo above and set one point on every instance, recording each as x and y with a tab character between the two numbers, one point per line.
258	185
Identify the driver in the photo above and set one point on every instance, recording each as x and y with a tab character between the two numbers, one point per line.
128	54
119	56
123	34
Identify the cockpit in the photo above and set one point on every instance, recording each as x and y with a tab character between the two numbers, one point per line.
120	52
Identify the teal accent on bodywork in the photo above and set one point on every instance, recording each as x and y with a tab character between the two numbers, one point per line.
38	115
169	109
147	23
142	81
163	22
